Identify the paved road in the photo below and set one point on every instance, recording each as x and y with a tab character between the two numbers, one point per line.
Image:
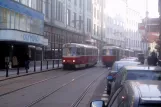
54	89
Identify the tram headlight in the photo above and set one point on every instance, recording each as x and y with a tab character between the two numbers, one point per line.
63	60
73	60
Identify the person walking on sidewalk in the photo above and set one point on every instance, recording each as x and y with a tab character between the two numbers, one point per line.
27	62
152	60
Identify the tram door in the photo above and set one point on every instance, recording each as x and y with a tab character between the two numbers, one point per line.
116	53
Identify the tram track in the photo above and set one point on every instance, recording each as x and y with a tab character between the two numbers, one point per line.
17	81
56	90
32	84
83	94
35	83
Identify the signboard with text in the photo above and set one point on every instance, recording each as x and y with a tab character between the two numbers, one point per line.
14	35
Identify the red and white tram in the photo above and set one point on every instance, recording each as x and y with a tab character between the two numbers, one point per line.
110	54
79	55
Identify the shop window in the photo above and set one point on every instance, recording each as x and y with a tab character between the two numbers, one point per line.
12	20
4	18
17	23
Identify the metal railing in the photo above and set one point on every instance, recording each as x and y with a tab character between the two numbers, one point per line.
34	66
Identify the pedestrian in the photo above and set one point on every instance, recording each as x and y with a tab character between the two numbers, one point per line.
27	61
14	61
153	60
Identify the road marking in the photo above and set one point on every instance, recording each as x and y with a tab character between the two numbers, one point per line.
104	95
104	99
105	92
105	89
106	103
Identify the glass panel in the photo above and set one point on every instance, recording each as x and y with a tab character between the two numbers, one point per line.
28	24
70	51
143	75
4	18
17	22
12	20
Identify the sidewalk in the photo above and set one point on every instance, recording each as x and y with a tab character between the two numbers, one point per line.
22	71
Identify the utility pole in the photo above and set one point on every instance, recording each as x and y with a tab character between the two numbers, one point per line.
159	10
102	15
146	24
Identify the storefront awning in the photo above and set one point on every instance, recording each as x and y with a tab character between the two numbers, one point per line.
19	36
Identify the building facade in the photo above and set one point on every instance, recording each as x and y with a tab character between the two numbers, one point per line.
21	31
132	33
115	22
122	26
98	25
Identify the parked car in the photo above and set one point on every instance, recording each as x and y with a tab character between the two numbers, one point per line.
134	94
115	68
130	59
140	72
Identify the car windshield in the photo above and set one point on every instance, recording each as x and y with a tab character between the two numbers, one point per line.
151	105
117	66
143	75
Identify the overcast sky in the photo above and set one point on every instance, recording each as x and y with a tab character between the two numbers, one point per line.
140	5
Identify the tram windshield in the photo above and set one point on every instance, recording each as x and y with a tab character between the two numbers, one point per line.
69	51
108	52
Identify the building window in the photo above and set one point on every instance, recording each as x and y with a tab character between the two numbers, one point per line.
25	2
17	24
94	29
59	11
98	30
80	22
80	3
47	9
33	4
75	2
88	25
13	20
75	20
98	14
94	12
38	5
68	17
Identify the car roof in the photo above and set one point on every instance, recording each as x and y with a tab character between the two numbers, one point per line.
143	67
146	89
125	61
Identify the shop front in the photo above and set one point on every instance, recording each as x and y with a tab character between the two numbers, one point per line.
21	33
14	45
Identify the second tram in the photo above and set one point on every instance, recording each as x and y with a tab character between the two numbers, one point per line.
79	55
110	54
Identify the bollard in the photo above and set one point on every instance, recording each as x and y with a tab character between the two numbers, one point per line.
18	72
41	66
7	67
6	71
53	63
26	70
47	65
58	63
34	66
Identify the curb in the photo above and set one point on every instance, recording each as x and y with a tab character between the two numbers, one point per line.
17	76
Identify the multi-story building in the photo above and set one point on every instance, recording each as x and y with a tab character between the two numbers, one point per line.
115	22
98	19
65	21
132	33
21	29
122	25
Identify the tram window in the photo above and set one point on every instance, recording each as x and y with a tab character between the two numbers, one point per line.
104	51
114	51
90	51
78	51
82	51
